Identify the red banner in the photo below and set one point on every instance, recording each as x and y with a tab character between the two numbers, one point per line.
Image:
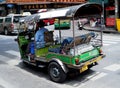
110	21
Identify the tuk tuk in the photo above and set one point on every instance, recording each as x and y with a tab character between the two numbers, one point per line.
67	52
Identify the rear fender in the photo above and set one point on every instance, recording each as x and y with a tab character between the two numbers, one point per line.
63	66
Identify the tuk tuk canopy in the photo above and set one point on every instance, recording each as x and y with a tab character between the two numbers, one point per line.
73	11
81	10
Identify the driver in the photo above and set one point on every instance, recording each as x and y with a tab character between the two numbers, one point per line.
39	39
39	36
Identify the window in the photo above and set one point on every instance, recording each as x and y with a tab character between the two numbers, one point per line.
1	20
16	19
8	20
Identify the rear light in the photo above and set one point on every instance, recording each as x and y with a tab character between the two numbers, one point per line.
12	25
100	51
77	61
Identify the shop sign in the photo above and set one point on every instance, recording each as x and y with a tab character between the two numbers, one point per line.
110	8
34	6
110	21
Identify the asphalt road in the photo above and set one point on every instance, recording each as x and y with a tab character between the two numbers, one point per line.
14	74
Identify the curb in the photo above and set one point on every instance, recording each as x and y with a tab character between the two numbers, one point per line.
106	30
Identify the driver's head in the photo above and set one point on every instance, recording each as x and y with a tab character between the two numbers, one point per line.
41	23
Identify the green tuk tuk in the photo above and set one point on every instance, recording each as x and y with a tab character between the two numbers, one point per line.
63	54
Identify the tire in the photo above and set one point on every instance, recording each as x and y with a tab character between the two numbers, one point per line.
6	31
56	73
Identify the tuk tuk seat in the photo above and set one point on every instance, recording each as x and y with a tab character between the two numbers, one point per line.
83	39
48	37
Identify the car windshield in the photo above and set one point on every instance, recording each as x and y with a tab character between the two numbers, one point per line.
17	18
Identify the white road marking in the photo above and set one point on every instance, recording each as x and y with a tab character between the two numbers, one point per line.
13	62
93	75
79	85
113	67
98	76
12	52
116	40
3	37
9	61
5	84
105	44
110	42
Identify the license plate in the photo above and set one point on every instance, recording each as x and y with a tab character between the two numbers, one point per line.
84	68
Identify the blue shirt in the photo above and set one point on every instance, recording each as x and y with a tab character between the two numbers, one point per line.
39	38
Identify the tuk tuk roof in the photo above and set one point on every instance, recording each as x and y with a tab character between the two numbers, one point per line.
73	11
85	9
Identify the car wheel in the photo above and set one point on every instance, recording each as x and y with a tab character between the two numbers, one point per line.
5	31
56	73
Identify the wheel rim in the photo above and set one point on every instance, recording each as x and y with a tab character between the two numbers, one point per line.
54	72
6	32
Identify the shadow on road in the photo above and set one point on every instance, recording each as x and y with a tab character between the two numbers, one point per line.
73	78
40	72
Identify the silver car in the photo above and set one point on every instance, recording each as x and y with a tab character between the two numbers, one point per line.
11	24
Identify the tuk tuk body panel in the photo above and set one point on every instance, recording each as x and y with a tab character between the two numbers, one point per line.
64	58
89	55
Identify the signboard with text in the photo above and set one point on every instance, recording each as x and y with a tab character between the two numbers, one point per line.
110	21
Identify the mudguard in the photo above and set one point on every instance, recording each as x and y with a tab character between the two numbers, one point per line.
65	69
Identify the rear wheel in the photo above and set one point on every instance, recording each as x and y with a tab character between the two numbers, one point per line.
56	73
6	31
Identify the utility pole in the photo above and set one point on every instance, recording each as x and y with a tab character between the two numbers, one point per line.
116	13
116	9
102	22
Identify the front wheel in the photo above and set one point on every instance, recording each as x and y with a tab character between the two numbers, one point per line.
56	73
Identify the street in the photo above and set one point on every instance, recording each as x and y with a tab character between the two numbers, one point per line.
14	74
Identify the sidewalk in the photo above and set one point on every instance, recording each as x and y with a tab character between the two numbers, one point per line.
106	29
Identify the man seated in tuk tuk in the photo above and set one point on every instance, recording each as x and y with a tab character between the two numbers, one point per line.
39	36
39	39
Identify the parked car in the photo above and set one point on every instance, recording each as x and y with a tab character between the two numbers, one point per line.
2	20
11	24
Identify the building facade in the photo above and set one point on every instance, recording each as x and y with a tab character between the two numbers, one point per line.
19	6
2	7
